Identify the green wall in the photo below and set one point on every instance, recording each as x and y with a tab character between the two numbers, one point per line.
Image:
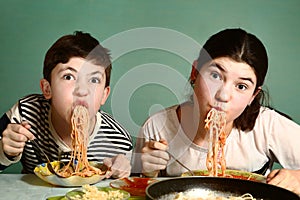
153	44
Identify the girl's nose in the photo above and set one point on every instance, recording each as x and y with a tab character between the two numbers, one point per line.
223	94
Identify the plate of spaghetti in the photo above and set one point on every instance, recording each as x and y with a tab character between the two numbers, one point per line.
78	170
70	179
237	174
136	186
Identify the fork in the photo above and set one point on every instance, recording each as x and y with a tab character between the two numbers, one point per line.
49	166
180	163
39	152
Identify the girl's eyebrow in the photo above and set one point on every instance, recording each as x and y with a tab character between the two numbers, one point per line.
247	79
224	70
214	64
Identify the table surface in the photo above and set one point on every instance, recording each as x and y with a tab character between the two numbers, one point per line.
30	187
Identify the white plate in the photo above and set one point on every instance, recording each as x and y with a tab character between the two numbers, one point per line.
42	172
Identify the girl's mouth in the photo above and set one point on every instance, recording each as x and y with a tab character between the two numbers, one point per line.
219	109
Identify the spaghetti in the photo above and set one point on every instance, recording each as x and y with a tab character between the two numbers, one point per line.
78	164
186	196
93	193
215	123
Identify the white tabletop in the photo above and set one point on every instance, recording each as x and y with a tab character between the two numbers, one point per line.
30	187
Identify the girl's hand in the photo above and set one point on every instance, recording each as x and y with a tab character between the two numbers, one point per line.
119	166
14	138
285	178
154	157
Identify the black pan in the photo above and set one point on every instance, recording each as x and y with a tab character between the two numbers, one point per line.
234	187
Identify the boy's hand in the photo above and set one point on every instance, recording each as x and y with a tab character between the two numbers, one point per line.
14	138
154	157
119	166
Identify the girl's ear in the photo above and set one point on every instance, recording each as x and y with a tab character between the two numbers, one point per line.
46	88
106	93
254	95
194	72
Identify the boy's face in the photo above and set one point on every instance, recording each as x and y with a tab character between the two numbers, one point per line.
77	82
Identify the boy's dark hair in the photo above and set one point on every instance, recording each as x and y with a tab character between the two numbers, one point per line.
77	45
240	46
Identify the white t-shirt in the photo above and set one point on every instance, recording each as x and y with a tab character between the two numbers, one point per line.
273	138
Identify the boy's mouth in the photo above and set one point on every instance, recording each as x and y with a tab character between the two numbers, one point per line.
80	103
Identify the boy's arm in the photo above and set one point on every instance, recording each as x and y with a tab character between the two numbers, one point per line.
4	160
4	121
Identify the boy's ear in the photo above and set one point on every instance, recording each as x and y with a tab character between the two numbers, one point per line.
46	88
106	93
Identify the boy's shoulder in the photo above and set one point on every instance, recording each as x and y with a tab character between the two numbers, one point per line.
34	102
109	121
33	98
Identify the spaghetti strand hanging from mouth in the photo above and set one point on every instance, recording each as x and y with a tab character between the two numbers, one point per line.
215	123
78	164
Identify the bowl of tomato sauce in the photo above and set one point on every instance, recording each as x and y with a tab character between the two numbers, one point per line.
136	186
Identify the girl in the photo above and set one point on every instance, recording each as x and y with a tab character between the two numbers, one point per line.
227	76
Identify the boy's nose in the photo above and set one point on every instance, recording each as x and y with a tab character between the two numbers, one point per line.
80	89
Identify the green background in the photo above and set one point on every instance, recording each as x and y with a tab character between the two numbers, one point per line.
152	43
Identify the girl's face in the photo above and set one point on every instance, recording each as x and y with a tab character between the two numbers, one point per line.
77	82
226	85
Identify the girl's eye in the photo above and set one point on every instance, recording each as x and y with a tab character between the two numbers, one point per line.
242	86
216	75
68	77
95	80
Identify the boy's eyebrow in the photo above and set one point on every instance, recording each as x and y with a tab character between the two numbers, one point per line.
223	70
67	68
97	72
74	70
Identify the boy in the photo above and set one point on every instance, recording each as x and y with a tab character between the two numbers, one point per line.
76	72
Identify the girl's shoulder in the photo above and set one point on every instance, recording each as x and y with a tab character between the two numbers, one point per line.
268	113
165	114
271	120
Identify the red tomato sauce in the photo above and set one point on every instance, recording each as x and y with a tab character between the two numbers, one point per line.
135	186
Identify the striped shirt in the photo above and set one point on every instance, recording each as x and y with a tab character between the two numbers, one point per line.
108	139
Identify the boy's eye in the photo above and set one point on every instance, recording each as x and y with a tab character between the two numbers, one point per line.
68	77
